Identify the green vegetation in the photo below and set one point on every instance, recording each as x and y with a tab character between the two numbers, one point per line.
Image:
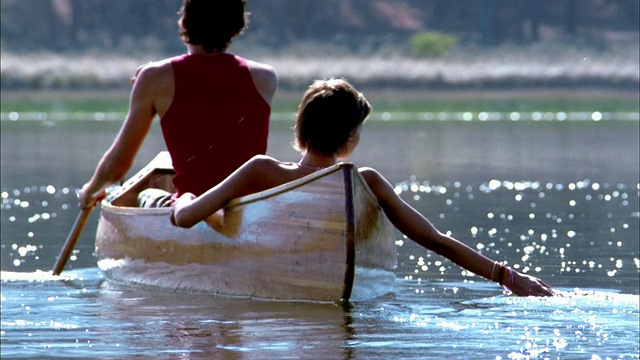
382	100
432	44
526	101
65	101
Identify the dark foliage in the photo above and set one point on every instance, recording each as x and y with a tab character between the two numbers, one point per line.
143	25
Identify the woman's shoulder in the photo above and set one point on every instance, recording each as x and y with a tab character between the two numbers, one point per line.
263	160
266	172
370	174
379	185
263	163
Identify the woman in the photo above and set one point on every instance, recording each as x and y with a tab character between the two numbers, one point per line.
328	126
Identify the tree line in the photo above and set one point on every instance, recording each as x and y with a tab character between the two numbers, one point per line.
127	25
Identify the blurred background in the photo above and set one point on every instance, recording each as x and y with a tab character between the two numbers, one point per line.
479	44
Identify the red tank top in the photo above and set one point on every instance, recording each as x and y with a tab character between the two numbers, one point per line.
216	122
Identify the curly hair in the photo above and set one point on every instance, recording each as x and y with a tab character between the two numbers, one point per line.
212	23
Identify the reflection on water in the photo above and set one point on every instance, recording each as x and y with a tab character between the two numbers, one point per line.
384	116
583	232
557	201
88	317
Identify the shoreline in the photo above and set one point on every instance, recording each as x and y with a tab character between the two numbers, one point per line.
406	93
571	103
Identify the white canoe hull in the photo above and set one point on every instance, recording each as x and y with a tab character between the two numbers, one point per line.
319	238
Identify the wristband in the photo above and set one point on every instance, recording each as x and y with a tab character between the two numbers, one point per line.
501	274
512	278
510	281
493	269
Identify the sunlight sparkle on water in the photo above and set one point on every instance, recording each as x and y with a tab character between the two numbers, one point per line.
544	221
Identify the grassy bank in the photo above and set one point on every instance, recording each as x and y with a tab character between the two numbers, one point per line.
385	100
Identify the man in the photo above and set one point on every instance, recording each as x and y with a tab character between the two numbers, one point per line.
213	106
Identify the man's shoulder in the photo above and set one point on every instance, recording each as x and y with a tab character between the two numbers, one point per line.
155	70
253	64
264	77
158	65
263	70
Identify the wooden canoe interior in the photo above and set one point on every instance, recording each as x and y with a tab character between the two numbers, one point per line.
302	240
157	174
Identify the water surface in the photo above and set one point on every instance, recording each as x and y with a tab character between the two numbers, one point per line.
555	199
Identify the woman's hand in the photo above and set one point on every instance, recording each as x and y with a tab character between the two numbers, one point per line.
526	285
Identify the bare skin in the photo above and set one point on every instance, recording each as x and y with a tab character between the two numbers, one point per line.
152	93
263	172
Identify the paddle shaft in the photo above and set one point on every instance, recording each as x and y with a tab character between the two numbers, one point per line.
71	240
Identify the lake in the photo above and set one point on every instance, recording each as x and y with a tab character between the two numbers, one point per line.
555	197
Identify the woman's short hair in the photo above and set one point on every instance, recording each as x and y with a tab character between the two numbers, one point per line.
329	113
212	23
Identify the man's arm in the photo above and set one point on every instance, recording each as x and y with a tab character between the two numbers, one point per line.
119	158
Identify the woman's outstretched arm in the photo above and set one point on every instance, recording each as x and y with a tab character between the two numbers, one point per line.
418	228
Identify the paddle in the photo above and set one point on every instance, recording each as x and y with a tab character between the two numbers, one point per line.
71	240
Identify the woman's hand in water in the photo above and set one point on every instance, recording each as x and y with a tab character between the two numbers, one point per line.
526	285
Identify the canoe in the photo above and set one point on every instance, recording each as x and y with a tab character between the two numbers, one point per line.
322	237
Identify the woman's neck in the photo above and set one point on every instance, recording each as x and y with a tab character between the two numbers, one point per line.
311	160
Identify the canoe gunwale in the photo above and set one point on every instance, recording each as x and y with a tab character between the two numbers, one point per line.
159	164
290	185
